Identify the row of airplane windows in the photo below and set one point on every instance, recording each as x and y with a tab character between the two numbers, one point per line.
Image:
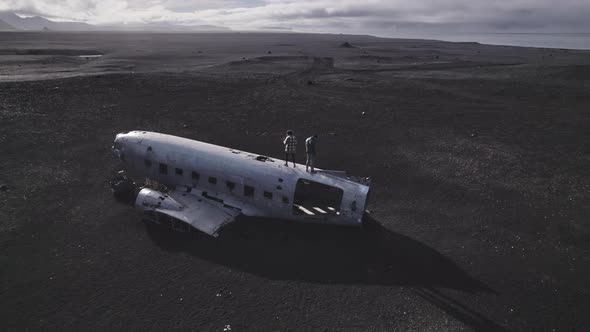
248	190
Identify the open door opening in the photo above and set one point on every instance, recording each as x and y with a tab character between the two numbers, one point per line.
316	199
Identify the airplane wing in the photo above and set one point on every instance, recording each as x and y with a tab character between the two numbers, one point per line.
202	213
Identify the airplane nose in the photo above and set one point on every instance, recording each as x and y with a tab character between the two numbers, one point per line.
117	145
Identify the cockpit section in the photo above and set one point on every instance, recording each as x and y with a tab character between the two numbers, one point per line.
117	147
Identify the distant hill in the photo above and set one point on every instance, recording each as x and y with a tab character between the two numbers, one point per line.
5	26
40	23
163	27
11	21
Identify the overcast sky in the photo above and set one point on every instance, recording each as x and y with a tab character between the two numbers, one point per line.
378	17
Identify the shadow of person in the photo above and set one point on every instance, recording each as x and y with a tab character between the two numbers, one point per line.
323	254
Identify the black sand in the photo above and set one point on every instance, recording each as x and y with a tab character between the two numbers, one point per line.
479	211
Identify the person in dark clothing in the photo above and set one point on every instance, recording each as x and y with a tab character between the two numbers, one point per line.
310	144
290	143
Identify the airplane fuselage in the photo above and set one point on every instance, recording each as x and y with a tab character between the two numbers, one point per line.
253	184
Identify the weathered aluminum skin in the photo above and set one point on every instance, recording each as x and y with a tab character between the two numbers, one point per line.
203	214
239	167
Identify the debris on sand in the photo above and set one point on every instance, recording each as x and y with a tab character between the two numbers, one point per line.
227	328
3	187
363	114
124	189
473	134
346	44
309	82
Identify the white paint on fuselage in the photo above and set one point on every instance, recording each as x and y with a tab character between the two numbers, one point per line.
140	149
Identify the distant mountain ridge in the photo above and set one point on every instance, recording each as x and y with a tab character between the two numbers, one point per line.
40	23
160	27
11	21
5	26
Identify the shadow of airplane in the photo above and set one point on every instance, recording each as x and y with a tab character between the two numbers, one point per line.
284	250
323	254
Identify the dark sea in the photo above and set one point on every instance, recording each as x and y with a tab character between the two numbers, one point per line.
551	40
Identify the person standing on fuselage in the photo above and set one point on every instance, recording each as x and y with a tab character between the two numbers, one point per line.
290	143
310	150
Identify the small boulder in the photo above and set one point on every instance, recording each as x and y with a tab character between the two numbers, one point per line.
346	45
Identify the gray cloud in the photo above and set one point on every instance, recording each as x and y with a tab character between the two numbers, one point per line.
382	17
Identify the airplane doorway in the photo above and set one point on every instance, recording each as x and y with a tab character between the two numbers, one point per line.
314	198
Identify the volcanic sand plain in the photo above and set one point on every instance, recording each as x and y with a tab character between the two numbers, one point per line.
479	156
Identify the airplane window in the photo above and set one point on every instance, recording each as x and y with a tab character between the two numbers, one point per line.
148	163
179	171
163	168
195	175
230	185
212	180
249	191
268	195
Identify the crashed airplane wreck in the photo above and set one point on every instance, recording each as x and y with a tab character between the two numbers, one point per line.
191	184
